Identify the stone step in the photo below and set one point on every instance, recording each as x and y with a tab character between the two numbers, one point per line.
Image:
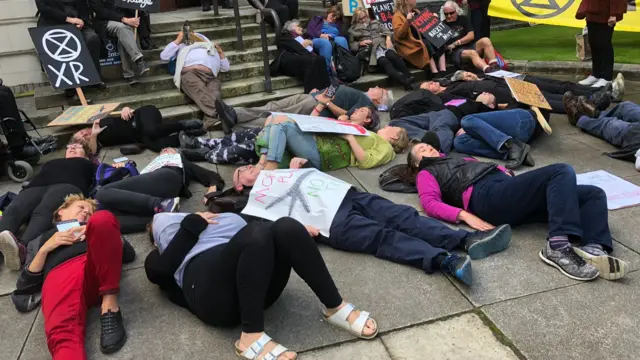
47	97
227	44
247	16
213	33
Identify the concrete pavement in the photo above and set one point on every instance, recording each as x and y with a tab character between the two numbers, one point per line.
517	308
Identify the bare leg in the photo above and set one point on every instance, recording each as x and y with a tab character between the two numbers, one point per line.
475	59
442	63
485	47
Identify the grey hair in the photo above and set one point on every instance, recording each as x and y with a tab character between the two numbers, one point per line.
451	4
290	25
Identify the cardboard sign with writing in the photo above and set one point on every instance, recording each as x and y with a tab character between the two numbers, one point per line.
317	124
528	93
307	195
434	30
349	6
142	5
64	56
383	12
174	160
620	192
78	115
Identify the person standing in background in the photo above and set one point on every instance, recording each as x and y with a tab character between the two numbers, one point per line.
601	17
479	15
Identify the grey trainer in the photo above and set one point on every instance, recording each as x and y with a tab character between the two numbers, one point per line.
569	263
610	268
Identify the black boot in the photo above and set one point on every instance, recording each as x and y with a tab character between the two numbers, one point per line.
198	154
516	153
187	142
112	334
131	149
528	160
128	252
191	124
227	115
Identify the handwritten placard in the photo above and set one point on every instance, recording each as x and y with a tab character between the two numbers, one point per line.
317	124
620	193
434	30
307	195
383	12
142	5
527	93
174	160
77	115
349	6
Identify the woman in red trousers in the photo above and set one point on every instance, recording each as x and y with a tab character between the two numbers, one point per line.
80	263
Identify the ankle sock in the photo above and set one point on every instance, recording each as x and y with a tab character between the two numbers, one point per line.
559	242
594	249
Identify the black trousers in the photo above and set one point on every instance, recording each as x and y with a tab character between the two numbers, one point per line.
481	21
560	87
35	205
286	10
233	283
600	37
155	134
134	199
394	66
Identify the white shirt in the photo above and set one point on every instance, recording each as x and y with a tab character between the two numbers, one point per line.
196	57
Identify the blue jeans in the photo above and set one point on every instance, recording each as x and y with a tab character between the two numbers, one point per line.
444	123
486	133
612	124
288	136
324	48
549	195
368	223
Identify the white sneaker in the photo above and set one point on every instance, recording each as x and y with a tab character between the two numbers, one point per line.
600	83
638	160
588	81
617	89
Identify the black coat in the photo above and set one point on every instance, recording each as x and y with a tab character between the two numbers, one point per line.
55	12
294	60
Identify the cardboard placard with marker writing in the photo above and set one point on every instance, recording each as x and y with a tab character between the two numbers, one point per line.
434	30
79	115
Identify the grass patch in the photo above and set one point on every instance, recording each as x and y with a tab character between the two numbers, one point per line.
25	94
558	43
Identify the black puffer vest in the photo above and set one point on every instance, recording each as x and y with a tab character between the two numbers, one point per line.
454	175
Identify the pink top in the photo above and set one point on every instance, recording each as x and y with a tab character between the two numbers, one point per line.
431	197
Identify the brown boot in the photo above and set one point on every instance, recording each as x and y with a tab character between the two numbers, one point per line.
570	103
587	108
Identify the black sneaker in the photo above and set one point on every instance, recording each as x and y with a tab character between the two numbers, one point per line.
199	154
227	115
196	124
132	80
168	205
195	132
128	252
187	141
13	251
481	244
516	154
569	263
141	68
458	267
112	334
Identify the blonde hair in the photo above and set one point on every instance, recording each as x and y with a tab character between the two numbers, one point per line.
356	14
402	6
69	200
451	4
401	143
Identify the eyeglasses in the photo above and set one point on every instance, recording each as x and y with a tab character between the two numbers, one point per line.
449	13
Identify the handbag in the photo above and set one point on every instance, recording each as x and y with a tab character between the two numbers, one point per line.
229	200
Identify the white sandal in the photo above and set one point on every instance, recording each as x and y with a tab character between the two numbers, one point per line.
339	319
256	348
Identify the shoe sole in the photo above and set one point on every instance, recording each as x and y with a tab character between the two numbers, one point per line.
176	205
619	81
116	347
10	251
551	263
467	275
610	268
491	245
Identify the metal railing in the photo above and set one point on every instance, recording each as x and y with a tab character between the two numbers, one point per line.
266	13
236	15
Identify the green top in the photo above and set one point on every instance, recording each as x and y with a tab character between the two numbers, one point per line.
336	153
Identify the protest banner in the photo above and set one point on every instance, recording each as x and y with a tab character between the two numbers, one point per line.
139	5
307	195
557	12
383	12
434	30
65	57
317	124
349	6
620	193
78	115
528	93
174	160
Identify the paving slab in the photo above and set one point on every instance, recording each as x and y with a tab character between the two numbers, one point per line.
595	320
15	329
361	350
464	337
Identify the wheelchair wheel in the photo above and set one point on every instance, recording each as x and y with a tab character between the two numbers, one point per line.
19	171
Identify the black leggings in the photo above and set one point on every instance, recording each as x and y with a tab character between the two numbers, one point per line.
394	66
35	205
600	40
155	134
233	283
286	10
133	199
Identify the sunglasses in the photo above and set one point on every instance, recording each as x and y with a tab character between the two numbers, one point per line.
449	13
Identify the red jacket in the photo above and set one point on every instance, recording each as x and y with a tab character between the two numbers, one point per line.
599	11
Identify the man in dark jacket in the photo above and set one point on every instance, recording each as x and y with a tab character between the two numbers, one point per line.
109	20
74	12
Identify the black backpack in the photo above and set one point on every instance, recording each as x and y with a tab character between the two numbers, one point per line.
414	103
392	180
348	66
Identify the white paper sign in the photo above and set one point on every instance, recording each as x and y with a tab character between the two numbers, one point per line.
317	124
505	74
307	195
620	193
162	161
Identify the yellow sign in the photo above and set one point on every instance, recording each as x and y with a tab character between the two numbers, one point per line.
528	93
78	115
557	12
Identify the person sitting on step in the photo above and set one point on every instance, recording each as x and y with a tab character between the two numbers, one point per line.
227	272
456	189
198	66
109	20
157	189
325	31
140	129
